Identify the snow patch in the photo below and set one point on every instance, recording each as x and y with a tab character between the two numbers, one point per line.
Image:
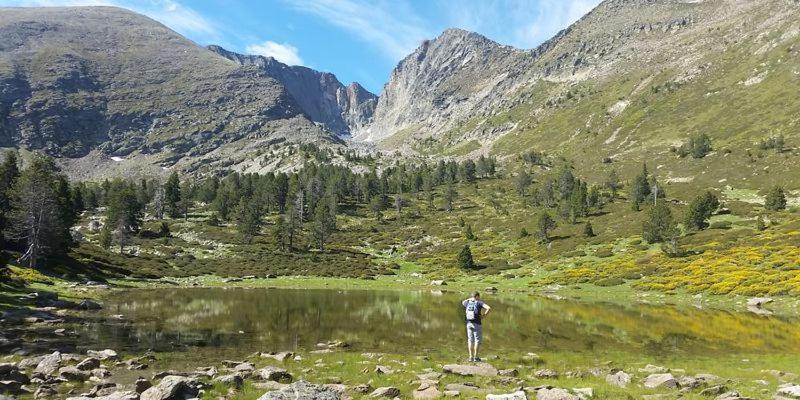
117	159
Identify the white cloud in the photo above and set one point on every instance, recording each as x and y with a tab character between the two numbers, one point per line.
283	52
171	13
391	26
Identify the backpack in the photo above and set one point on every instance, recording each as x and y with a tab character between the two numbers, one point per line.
472	311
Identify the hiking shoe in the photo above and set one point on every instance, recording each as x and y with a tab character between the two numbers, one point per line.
476	359
472	359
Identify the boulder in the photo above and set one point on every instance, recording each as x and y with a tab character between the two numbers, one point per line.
141	385
788	391
87	304
274	374
584	393
30	362
73	374
439	282
758	301
426	391
10	372
732	396
88	364
386	391
480	369
654	369
555	394
49	364
302	390
113	396
655	381
382	369
172	387
234	380
508	372
103	355
713	390
12	387
546	374
363	388
518	395
45	391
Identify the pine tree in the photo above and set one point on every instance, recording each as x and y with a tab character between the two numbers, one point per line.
659	225
279	232
523	182
123	212
544	225
468	233
700	210
588	231
464	259
612	183
172	195
775	199
467	171
450	195
324	224
37	218
248	218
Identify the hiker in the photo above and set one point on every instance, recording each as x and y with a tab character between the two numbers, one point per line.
475	310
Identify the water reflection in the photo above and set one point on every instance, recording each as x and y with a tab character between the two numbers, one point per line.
279	319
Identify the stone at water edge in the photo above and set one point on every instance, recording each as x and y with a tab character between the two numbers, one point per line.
88	364
518	395
73	374
112	396
386	391
49	364
172	387
106	354
788	391
480	369
661	381
302	390
87	304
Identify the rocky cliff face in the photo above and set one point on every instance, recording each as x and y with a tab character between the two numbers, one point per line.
319	94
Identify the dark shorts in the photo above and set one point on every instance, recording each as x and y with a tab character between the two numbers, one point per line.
474	332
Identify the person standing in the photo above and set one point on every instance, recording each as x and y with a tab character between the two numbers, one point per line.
475	310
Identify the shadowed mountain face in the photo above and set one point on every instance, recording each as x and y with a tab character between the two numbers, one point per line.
103	81
321	96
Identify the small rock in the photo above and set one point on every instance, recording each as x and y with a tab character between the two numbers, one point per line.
87	304
518	395
49	364
141	385
653	369
103	355
546	374
302	390
555	394
45	391
584	393
661	381
73	374
234	380
380	370
363	388
172	387
508	372
713	390
386	391
439	282
88	364
275	374
758	301
788	391
427	392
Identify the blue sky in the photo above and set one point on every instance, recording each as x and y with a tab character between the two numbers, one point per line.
358	40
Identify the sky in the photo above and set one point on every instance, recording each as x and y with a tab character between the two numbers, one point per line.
358	40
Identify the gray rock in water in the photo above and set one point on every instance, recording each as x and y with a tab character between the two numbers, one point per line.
660	381
172	387
518	395
302	390
480	369
87	304
386	391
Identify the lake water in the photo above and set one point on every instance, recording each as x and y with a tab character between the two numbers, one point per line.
238	321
